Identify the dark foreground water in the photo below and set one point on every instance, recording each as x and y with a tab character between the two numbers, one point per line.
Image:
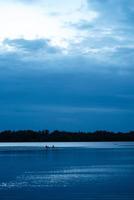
96	171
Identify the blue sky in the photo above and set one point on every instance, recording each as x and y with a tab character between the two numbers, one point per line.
67	65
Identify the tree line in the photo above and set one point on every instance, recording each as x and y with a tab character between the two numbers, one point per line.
63	136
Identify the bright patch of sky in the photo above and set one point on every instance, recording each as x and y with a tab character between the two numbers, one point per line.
43	19
93	28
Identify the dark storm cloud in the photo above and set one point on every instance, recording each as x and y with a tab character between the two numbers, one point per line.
86	100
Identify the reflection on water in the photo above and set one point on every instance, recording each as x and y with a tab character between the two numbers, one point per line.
42	145
67	177
74	173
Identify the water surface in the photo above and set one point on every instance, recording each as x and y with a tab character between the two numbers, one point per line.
69	171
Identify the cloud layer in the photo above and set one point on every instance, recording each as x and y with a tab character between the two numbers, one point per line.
67	66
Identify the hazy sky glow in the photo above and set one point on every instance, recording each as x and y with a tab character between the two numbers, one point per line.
67	65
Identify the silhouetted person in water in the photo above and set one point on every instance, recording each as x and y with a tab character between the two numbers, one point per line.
46	147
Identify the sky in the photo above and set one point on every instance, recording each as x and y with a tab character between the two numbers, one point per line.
67	65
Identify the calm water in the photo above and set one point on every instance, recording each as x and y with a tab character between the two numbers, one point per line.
96	171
